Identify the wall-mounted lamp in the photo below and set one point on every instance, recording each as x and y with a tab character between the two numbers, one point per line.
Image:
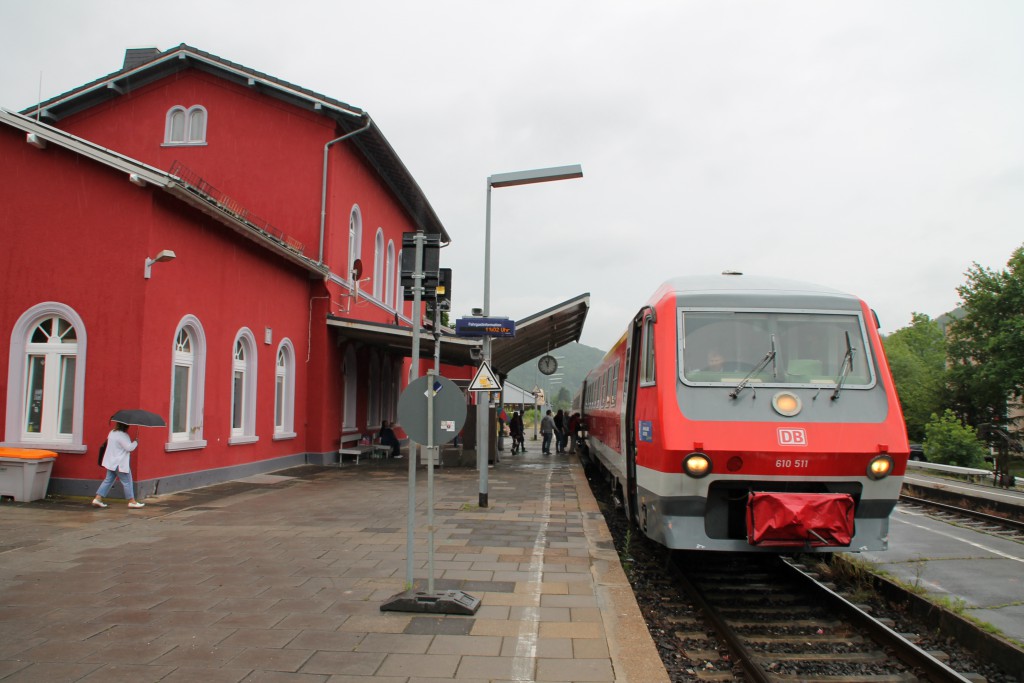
165	255
35	140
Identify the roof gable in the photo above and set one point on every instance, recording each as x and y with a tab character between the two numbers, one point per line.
143	66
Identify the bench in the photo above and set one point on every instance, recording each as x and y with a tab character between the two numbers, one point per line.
374	449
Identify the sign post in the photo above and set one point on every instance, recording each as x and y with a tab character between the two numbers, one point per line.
432	410
484	381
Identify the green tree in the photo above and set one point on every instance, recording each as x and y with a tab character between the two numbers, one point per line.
948	441
563	399
917	359
986	346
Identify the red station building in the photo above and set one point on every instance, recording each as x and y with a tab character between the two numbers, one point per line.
195	238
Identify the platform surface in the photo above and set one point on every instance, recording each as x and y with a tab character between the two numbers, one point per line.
281	577
980	571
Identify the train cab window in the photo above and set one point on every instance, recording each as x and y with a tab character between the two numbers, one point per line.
774	347
647	360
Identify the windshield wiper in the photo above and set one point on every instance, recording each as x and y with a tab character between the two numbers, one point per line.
768	358
845	368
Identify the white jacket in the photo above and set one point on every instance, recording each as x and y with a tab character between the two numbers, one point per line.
119	449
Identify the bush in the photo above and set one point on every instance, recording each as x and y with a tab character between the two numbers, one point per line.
949	442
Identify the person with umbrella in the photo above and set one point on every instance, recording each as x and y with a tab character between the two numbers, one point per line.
117	461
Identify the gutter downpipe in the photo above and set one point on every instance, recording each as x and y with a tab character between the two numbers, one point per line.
323	190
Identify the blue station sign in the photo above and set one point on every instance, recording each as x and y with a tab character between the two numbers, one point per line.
485	327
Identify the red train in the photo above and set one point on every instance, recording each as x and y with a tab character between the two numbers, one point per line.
741	413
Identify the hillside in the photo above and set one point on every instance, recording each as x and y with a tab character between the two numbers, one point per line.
574	362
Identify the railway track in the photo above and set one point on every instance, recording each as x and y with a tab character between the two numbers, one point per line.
781	624
994	524
693	649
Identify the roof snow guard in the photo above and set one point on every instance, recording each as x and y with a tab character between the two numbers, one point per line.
143	66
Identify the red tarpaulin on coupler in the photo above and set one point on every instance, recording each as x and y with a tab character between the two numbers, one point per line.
800	519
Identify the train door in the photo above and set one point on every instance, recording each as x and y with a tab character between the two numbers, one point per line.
630	382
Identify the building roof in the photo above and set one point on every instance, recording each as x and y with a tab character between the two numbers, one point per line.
147	65
138	173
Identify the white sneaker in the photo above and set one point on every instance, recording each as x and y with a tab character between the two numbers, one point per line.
135	505
97	503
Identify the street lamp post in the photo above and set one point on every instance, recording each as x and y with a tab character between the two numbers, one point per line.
539	175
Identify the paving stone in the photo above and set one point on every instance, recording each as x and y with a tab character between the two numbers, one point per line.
240	583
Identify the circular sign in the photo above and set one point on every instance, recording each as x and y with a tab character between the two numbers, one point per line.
449	410
547	364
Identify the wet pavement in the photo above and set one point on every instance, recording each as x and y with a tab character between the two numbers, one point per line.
280	577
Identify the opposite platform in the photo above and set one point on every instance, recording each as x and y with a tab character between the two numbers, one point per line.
281	577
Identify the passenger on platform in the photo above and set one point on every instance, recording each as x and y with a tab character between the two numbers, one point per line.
387	438
516	430
117	462
560	431
574	431
547	430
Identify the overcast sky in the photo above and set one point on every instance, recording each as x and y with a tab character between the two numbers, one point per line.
874	147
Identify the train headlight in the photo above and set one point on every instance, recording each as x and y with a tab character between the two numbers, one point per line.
697	465
786	404
880	467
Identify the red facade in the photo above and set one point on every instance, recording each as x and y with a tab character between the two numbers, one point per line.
239	312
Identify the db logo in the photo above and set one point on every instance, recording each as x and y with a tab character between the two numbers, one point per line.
792	437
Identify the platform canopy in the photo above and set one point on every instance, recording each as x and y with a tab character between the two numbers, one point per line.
536	335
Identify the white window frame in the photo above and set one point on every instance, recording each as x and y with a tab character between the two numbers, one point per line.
245	432
378	264
284	391
17	377
389	270
355	240
193	125
192	437
399	289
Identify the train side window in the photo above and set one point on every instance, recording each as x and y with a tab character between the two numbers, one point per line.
613	379
647	361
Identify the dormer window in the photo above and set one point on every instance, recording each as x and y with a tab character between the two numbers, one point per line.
186	126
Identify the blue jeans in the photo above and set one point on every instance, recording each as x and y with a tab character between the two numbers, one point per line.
126	482
546	443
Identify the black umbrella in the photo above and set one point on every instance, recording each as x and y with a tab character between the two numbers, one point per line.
141	418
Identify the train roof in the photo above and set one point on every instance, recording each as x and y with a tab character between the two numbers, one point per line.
711	289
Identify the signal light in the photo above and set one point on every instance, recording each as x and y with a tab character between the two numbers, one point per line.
880	467
697	465
786	404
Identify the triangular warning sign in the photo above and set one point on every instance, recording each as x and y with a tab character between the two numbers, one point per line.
484	380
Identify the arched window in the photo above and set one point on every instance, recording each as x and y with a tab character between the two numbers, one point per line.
243	389
351	373
355	239
389	292
46	378
188	380
284	391
399	289
185	126
378	265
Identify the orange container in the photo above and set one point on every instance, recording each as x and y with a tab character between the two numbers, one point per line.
25	473
26	453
